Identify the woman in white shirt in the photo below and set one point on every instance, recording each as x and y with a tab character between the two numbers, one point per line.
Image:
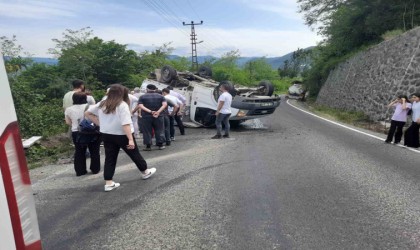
74	114
411	135
114	117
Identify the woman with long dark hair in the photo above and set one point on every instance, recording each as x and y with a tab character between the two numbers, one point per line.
402	105
411	135
117	131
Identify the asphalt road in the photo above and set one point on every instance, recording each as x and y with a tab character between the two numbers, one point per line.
297	183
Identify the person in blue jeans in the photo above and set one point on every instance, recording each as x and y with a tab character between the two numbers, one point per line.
223	112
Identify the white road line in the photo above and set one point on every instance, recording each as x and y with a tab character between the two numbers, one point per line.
349	128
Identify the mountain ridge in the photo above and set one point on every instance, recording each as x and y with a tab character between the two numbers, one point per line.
275	62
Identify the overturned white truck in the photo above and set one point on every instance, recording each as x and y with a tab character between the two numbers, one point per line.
202	94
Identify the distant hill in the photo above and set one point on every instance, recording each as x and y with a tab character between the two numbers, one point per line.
49	61
275	62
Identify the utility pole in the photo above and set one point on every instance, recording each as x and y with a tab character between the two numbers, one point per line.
194	61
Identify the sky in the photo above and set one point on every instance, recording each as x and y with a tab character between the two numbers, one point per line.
258	28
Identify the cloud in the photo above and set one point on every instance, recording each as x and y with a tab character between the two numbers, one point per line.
33	10
53	9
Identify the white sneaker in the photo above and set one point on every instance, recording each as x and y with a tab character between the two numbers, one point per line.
111	187
148	173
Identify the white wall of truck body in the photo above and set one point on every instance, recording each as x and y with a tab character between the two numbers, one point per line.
18	221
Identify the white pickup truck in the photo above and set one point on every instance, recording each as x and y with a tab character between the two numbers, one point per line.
202	94
18	220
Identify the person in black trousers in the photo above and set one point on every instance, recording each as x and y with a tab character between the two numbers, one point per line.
411	135
173	108
399	118
177	116
74	114
152	107
116	126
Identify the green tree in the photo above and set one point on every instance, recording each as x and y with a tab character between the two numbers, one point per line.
299	63
71	38
151	60
259	70
45	80
99	63
13	55
350	26
226	69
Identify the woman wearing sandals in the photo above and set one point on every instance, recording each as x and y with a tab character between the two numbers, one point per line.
117	130
398	120
411	136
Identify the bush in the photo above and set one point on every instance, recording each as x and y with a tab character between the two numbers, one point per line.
282	85
391	34
36	114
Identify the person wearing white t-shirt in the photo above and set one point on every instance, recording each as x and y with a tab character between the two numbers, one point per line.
179	114
174	105
114	117
223	112
73	115
135	117
133	104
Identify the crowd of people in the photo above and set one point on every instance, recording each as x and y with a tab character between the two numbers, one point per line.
121	117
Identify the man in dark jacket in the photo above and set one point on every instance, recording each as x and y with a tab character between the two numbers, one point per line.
152	105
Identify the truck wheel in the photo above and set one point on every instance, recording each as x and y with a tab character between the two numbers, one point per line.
268	89
205	71
167	73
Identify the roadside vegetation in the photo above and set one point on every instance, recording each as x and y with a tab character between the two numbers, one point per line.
354	118
351	26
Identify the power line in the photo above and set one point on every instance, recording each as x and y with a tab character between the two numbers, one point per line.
171	18
193	9
162	14
166	9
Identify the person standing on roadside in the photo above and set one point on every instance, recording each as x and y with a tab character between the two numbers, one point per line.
178	115
411	135
135	117
134	101
78	86
114	117
74	114
223	112
174	105
172	110
152	105
398	120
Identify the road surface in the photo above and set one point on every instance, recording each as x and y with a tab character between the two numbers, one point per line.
297	183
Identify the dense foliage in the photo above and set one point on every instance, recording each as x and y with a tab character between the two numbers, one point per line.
350	26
